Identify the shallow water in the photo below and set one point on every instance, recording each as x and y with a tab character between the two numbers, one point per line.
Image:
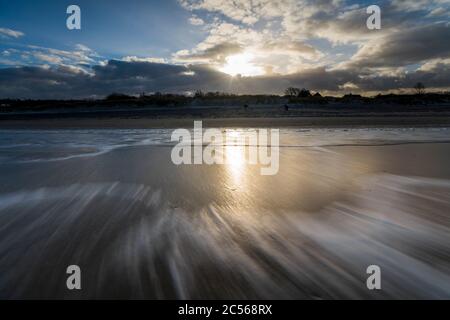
112	202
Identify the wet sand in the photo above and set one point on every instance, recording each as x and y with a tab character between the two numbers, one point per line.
141	227
260	122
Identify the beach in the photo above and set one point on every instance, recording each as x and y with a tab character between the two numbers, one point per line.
248	122
245	151
111	201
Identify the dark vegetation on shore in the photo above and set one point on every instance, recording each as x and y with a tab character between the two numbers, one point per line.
293	97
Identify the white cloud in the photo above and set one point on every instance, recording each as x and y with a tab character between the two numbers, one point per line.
435	64
5	32
47	58
143	59
270	51
196	21
82	47
439	12
278	34
81	54
238	10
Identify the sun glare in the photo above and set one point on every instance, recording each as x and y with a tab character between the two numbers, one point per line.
241	64
235	155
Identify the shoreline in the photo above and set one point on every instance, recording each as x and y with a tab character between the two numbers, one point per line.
259	122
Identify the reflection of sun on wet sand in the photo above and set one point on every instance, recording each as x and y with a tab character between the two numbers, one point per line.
235	156
142	227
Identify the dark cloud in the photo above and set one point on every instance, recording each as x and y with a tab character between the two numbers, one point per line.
136	77
216	53
116	69
404	48
115	76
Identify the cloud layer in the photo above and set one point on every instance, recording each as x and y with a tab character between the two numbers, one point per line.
323	45
136	76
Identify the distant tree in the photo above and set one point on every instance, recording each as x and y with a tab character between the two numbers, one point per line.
420	88
216	94
304	93
296	92
292	92
199	94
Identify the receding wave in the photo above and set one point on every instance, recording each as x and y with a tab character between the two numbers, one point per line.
131	242
26	146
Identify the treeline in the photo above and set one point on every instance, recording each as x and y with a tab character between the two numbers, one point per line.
293	96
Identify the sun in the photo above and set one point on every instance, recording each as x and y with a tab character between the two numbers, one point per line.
241	64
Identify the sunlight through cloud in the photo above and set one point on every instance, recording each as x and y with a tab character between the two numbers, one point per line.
241	64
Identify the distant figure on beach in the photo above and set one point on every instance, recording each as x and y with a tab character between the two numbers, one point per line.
286	107
245	106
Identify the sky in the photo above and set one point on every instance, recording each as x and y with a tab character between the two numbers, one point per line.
240	46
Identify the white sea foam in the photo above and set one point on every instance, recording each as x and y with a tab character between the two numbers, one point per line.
135	241
58	145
